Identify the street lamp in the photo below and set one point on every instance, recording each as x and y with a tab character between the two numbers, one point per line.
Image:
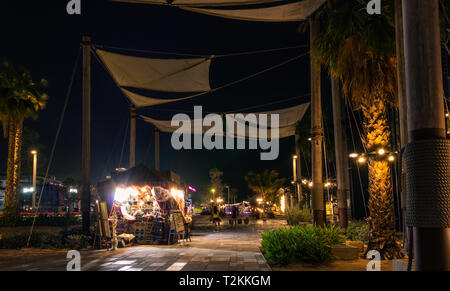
34	153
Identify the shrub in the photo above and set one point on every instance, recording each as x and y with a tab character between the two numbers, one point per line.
45	240
309	244
76	242
270	214
358	231
277	246
41	220
294	216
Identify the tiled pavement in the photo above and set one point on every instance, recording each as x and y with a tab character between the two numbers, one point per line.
229	250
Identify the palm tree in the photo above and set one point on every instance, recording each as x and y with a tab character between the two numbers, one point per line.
20	98
266	184
359	50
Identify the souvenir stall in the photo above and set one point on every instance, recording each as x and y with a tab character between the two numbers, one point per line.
145	204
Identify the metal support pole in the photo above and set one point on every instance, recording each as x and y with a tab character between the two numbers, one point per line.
34	153
316	133
157	166
132	137
426	125
299	172
341	152
86	138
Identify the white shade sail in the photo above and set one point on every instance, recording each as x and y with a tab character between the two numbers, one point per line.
140	101
288	118
296	11
209	3
169	75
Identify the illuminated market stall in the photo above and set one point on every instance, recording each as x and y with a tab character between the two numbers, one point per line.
146	204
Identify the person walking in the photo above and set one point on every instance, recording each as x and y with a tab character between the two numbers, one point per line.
216	218
234	214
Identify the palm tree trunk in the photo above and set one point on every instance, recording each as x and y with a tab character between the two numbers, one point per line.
12	194
381	200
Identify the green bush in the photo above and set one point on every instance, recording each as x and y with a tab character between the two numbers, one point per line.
277	246
309	244
295	216
41	220
45	240
76	242
358	231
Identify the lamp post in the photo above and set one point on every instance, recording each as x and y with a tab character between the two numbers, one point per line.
34	153
298	189
213	191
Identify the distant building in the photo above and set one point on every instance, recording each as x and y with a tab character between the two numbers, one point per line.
53	197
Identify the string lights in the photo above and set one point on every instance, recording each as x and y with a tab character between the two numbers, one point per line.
309	183
380	154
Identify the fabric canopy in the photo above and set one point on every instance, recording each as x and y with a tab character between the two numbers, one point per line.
209	3
140	101
288	119
170	75
296	11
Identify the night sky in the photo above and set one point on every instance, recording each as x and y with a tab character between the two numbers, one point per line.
40	36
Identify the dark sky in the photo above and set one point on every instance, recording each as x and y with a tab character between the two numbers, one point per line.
40	36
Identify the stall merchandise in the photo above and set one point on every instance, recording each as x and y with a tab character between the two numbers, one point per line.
145	212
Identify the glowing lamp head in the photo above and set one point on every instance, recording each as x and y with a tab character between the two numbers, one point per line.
391	158
361	160
381	152
353	155
34	152
295	157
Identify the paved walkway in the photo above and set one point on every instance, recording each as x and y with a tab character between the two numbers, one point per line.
229	250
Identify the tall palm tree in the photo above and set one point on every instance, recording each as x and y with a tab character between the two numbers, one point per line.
359	50
266	184
20	98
